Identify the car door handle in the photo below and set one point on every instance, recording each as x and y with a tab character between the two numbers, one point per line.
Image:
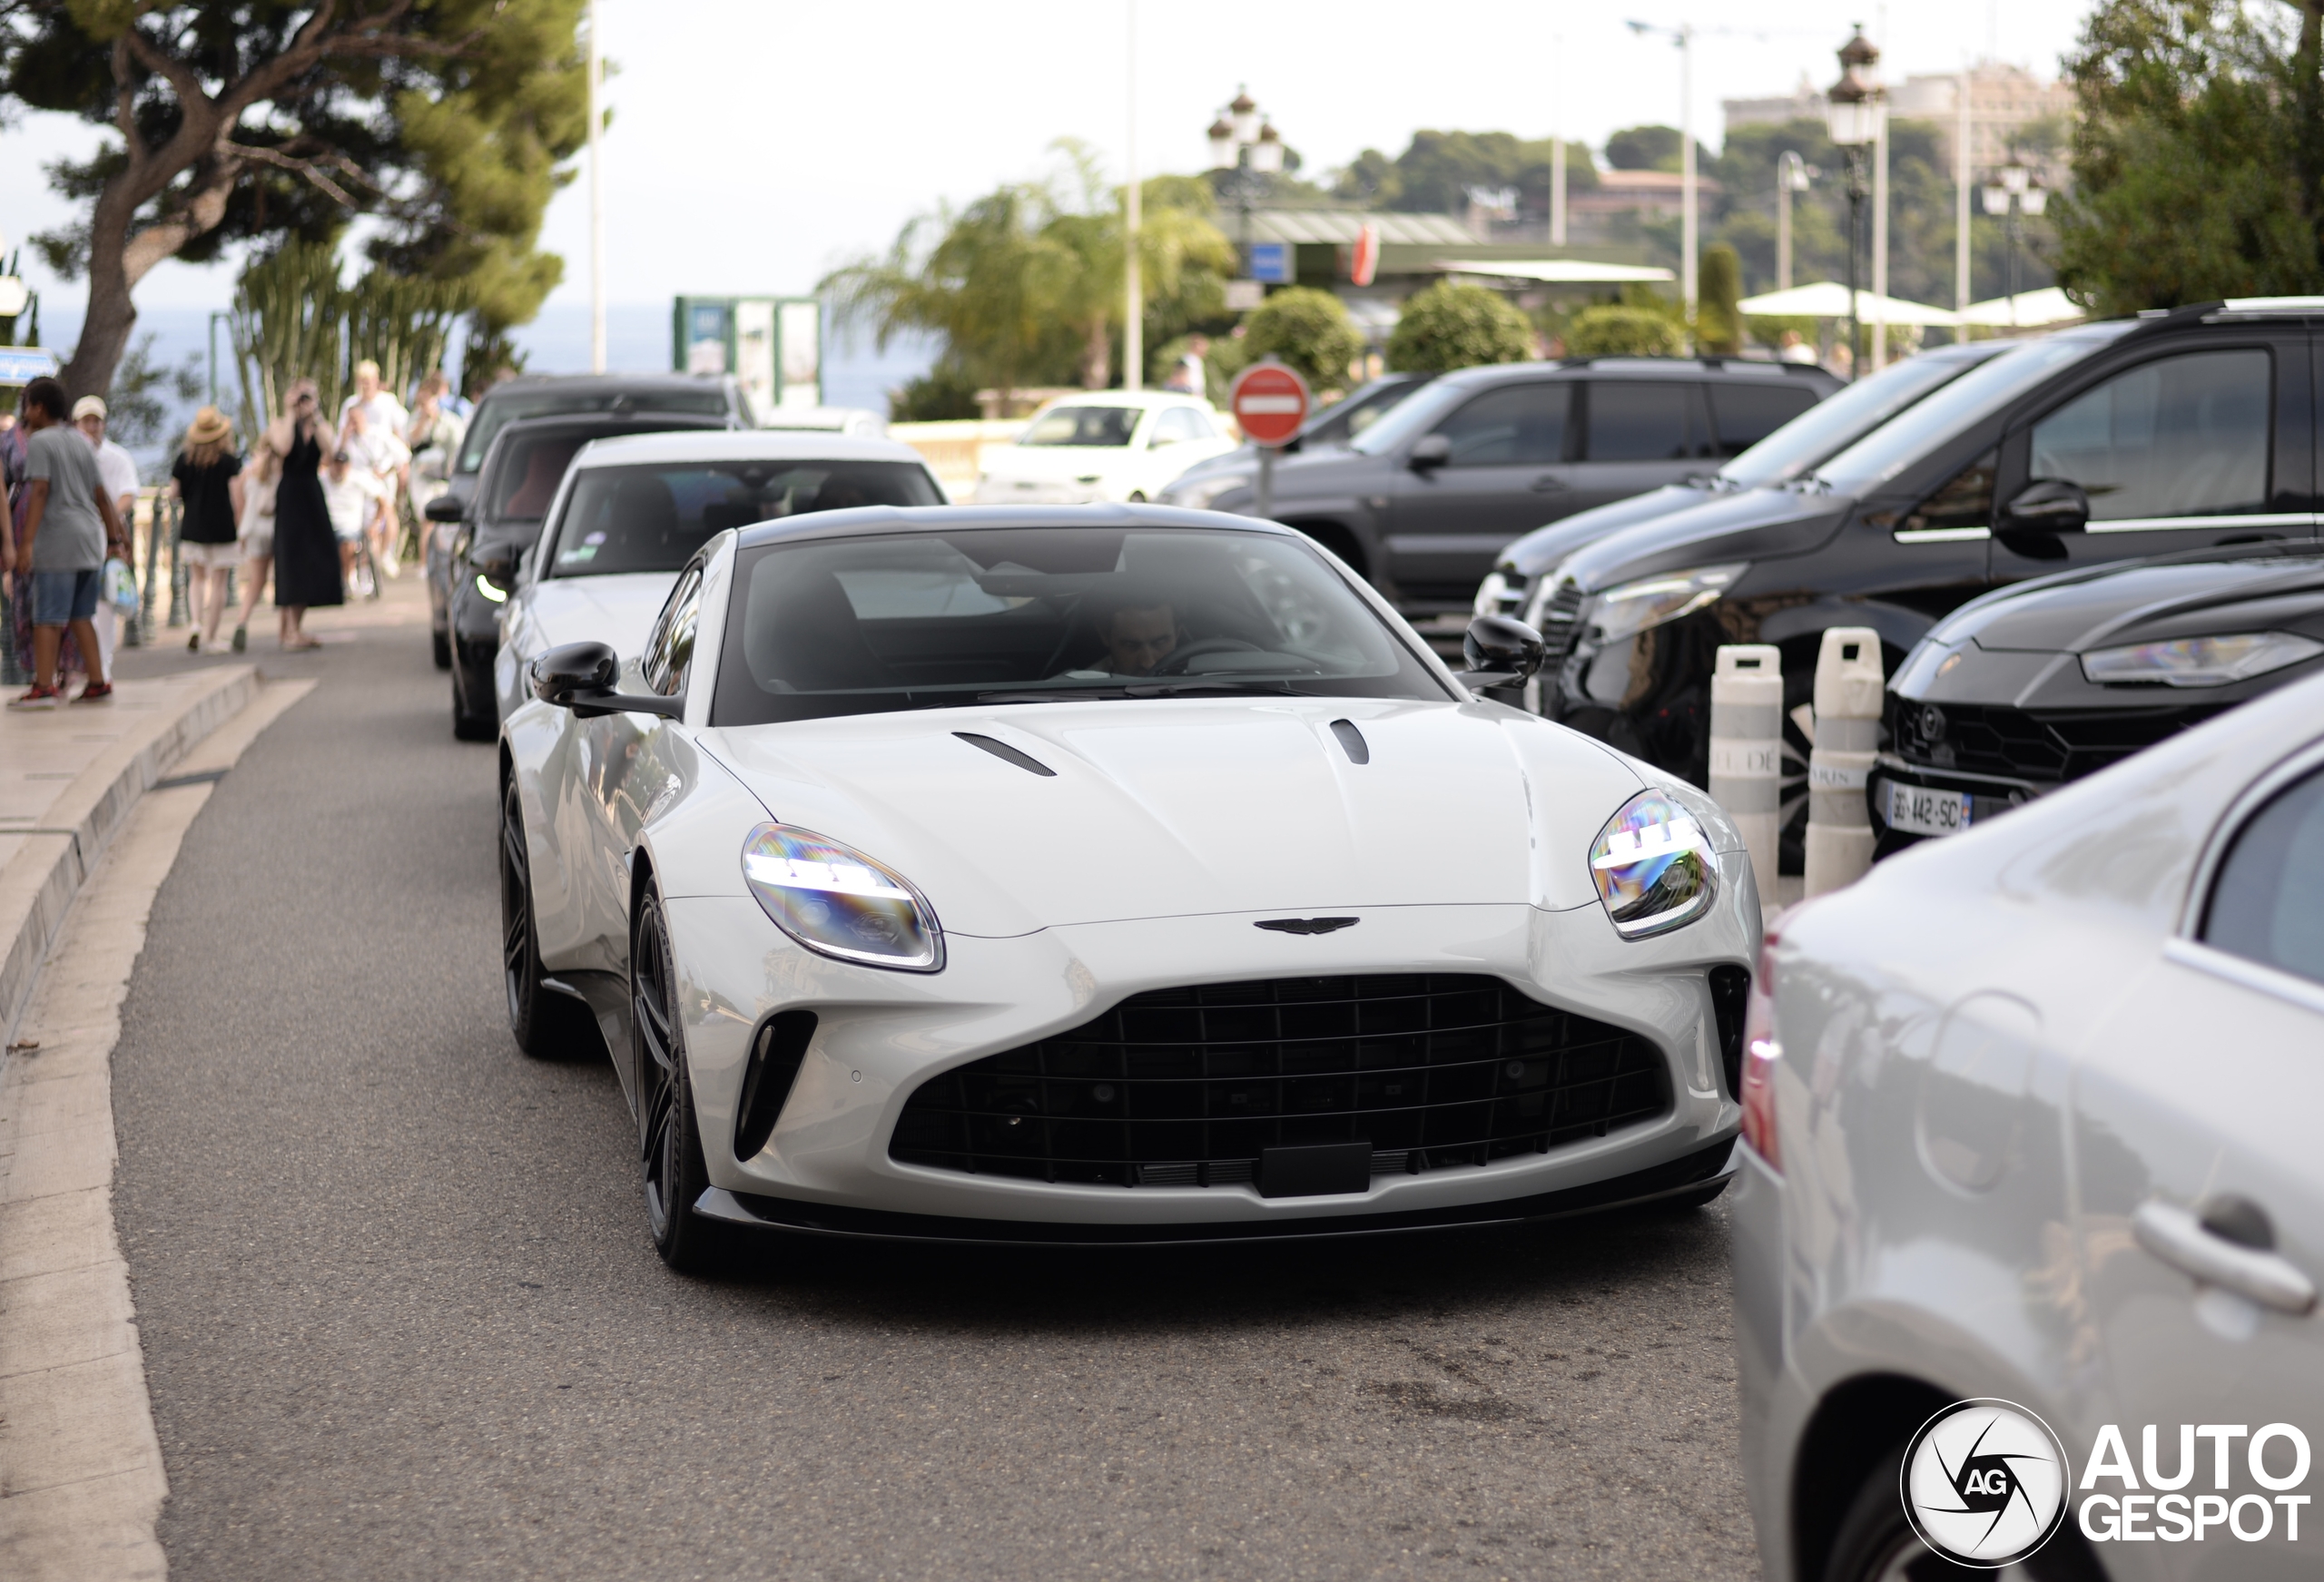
1548	483
2182	1241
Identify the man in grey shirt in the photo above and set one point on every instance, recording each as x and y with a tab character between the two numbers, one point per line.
69	521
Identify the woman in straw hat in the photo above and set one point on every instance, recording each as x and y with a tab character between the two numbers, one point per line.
207	475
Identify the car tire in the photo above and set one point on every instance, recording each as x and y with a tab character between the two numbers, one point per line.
440	645
1876	1542
546	1025
669	1140
468	724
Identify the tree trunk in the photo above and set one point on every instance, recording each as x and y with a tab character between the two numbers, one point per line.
111	315
1096	354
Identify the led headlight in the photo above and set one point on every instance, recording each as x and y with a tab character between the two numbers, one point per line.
1197	494
484	586
833	900
2200	662
1653	867
1634	607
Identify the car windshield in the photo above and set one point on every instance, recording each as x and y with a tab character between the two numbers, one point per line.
1830	426
499	410
526	479
1082	425
1409	418
1984	390
1364	408
1047	614
651	516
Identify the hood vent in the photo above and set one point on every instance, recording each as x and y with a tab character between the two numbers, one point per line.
1007	754
1358	750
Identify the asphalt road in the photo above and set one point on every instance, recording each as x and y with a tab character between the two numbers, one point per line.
401	1319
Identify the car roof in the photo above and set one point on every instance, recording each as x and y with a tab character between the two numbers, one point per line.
1126	399
742	445
1718	370
865	520
594	384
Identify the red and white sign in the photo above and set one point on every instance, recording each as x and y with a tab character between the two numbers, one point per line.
1365	262
1269	402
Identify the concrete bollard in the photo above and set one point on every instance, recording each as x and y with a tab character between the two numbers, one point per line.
1848	682
1747	751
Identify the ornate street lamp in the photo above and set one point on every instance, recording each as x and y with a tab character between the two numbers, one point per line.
2016	192
1247	152
1853	111
1792	174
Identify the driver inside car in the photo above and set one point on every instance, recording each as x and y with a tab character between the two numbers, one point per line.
1137	637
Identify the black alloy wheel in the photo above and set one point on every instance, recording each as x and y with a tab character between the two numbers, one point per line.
669	1141
1876	1543
546	1025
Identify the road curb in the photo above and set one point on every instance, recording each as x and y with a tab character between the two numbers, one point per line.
38	884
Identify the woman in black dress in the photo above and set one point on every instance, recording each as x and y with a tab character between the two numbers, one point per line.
306	551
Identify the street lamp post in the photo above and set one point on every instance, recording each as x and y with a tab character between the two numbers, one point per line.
2016	193
1792	174
1246	151
1855	110
1683	36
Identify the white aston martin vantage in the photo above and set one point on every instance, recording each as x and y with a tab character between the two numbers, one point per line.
1108	874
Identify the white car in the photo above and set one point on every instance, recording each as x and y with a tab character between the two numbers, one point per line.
630	512
1120	874
1102	444
2031	1122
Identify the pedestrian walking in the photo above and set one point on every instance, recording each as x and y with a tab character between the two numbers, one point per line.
352	493
69	523
255	527
1189	375
306	551
207	478
118	468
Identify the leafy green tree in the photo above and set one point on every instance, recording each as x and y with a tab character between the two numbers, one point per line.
1651	148
1718	322
944	393
236	120
1453	325
1616	329
1307	330
1436	172
2199	157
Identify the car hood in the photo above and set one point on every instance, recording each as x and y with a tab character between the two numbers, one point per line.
2145	603
1540	551
1182	807
1754	525
618	610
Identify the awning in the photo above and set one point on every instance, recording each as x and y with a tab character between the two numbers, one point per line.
1555	271
2047	306
1830	299
21	365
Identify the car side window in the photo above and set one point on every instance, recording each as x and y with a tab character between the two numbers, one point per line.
1744	415
1515	426
669	652
1661	421
2178	437
2263	905
1173	424
1962	507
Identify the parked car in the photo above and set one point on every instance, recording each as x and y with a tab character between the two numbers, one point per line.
1424	501
619	395
1150	1012
1800	446
2030	1122
1101	444
2019	692
1328	427
632	511
2176	430
855	422
493	527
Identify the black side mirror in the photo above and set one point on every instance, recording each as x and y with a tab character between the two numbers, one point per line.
445	507
1501	651
2041	511
1430	452
580	676
500	572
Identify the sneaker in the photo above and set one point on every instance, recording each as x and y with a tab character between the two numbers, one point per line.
96	691
241	639
38	697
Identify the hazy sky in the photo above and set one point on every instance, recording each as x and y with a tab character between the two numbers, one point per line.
758	142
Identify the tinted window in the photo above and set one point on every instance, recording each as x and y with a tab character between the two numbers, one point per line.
2264	905
528	474
1082	425
1644	422
2173	437
496	412
933	620
1515	426
1963	504
1840	420
651	517
1744	415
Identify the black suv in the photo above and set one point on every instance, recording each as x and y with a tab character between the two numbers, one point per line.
2179	429
1423	501
498	522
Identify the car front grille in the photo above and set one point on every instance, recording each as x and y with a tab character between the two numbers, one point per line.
2048	745
1559	611
1189	1087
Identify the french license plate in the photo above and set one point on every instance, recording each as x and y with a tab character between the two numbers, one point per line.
1917	810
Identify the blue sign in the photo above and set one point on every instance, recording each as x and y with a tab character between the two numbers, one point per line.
1270	263
21	365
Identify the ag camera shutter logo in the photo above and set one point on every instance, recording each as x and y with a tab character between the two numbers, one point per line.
1985	1483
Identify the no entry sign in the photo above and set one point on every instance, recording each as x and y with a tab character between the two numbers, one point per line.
1269	402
